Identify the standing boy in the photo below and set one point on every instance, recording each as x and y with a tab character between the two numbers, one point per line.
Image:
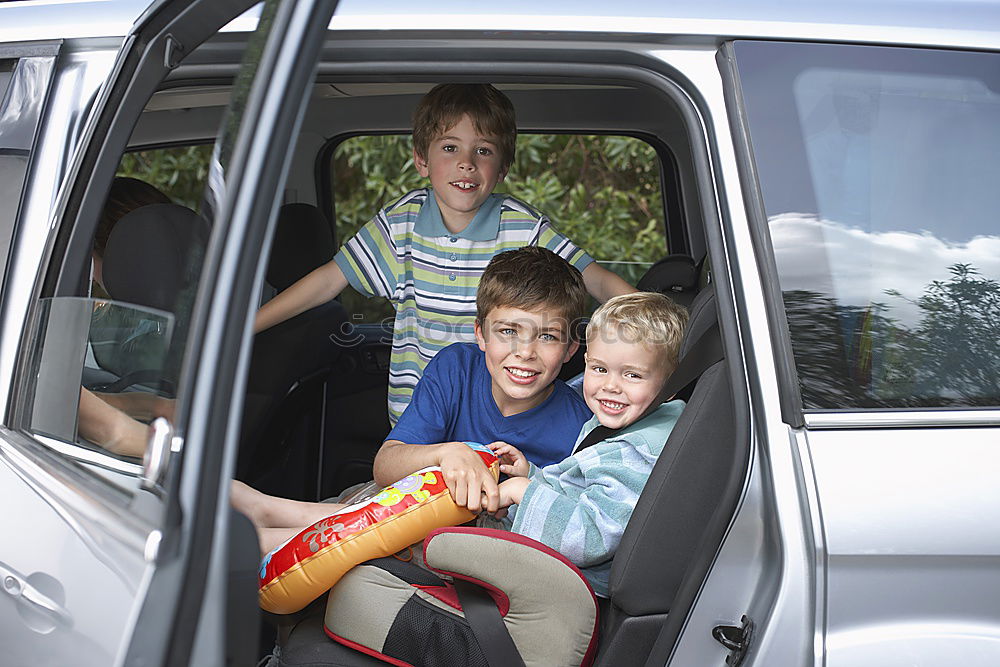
580	506
427	251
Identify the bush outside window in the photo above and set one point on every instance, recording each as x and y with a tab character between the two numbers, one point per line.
601	192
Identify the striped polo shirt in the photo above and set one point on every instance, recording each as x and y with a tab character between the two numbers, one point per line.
406	254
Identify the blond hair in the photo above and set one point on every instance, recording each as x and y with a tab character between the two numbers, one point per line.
491	112
532	278
648	318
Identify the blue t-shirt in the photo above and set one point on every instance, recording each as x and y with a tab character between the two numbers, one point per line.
454	401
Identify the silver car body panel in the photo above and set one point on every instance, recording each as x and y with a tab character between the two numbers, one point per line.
913	558
865	538
94	574
962	24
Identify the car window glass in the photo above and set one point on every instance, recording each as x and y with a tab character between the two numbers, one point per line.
879	172
6	71
22	94
105	363
124	353
602	192
178	171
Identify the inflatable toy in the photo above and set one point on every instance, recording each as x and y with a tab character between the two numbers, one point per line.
309	564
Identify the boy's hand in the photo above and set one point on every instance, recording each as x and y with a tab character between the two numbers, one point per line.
512	461
470	482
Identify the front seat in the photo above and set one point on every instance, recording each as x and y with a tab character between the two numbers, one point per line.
152	259
675	275
283	413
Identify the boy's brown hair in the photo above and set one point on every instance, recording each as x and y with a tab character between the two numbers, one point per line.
491	112
532	278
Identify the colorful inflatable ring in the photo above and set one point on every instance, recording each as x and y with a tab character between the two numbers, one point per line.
309	564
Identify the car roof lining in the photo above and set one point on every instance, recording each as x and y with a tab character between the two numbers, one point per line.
188	109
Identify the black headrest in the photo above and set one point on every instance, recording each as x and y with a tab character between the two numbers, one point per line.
674	275
303	241
153	253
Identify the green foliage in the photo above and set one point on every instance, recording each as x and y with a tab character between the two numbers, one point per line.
603	192
179	172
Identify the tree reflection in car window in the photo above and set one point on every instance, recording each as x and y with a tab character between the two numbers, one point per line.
879	174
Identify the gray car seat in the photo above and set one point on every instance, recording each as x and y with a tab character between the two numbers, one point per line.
682	515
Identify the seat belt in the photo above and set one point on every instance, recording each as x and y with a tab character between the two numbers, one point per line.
705	352
484	618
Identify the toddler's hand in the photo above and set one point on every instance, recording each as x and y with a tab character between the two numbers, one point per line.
511	493
512	461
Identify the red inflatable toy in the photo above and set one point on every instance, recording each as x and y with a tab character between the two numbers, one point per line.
299	571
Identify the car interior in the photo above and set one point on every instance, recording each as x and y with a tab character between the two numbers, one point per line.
314	409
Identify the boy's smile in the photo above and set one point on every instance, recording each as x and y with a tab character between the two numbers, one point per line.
464	167
524	352
621	379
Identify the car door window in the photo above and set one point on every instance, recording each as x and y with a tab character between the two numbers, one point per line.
107	361
878	169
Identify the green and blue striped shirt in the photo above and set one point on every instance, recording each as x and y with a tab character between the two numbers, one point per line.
406	254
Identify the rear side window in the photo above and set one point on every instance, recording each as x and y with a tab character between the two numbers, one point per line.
880	175
602	192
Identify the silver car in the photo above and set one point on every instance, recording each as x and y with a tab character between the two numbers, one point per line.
827	172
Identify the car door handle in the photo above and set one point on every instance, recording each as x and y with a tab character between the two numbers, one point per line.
18	588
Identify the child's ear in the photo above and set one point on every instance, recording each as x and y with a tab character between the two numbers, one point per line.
571	349
480	337
420	162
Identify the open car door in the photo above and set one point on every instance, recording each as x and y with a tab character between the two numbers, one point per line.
134	557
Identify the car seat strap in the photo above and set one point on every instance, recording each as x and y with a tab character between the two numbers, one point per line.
484	618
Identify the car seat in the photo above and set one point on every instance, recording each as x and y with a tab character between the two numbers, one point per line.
670	541
152	259
283	412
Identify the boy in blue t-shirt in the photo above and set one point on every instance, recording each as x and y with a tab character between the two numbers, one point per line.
504	389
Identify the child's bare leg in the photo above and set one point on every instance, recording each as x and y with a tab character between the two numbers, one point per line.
273	537
272	512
